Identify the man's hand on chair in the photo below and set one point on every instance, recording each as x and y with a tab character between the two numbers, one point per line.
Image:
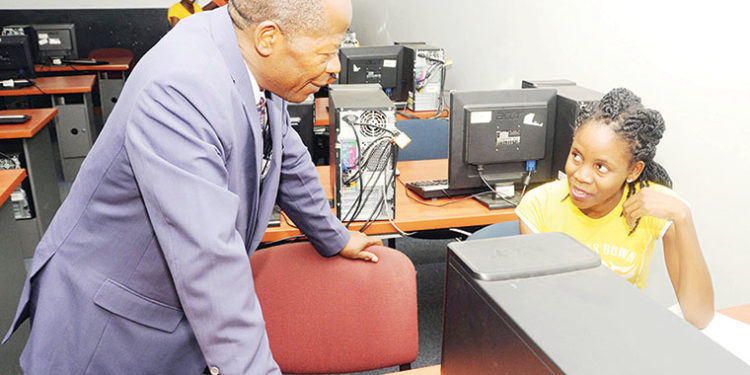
358	242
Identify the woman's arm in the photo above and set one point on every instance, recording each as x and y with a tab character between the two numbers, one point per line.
682	253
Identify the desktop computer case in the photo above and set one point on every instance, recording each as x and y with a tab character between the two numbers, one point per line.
427	99
544	304
570	99
350	104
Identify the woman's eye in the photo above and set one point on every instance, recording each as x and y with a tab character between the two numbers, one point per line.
577	157
602	168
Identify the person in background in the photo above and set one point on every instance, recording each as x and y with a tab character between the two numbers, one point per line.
181	10
214	4
618	201
145	268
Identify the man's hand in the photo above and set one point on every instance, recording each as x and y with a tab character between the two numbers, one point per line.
358	241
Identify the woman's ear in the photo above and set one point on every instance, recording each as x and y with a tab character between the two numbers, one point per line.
267	35
635	171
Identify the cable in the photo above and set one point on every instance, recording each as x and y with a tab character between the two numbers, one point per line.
479	171
38	88
287	220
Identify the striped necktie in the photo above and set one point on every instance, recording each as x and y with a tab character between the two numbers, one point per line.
266	131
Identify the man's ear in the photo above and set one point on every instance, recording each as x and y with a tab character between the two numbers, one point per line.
636	170
267	36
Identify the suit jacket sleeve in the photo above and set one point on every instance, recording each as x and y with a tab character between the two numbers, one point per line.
302	197
178	162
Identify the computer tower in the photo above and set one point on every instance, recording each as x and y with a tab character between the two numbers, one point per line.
570	99
544	304
302	119
363	159
424	66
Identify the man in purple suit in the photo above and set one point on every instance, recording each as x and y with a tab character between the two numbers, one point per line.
144	269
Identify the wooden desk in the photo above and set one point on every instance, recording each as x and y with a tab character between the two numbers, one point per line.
111	78
322	117
12	270
33	141
411	215
76	132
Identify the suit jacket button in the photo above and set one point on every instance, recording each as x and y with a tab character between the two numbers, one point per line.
214	370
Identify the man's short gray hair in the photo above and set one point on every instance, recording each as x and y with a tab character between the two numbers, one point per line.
294	17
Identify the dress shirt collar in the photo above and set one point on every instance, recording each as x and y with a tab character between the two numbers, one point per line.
256	89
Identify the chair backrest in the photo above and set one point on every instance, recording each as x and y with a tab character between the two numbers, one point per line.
429	139
508	228
103	53
334	315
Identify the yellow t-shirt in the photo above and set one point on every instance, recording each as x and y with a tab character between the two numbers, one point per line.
180	12
548	209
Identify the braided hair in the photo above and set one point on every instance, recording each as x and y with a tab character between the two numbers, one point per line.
642	128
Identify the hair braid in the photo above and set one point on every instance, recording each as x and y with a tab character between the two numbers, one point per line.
641	127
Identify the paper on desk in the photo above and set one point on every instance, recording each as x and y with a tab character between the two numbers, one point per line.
733	335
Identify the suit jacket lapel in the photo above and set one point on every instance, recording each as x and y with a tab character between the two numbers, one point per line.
223	35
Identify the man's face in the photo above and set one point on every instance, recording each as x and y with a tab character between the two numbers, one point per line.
302	64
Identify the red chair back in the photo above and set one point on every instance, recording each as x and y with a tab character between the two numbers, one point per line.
334	315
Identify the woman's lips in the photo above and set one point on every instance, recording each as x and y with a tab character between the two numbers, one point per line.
578	193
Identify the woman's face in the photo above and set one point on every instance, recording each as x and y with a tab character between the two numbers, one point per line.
598	165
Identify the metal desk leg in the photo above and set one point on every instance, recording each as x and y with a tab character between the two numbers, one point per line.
109	91
75	132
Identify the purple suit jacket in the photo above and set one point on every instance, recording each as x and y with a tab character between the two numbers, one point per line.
144	269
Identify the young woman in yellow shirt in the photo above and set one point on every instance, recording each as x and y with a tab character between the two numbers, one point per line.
617	200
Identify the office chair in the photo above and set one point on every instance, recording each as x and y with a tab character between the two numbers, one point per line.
508	228
335	315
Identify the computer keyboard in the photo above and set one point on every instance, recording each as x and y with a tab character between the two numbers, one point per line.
84	62
429	188
13	119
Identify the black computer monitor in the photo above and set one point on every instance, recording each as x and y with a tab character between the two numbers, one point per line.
496	136
57	41
379	64
15	57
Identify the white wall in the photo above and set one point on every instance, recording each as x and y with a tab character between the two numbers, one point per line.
687	59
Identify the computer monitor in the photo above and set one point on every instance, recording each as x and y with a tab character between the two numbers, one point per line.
15	57
57	42
496	137
380	64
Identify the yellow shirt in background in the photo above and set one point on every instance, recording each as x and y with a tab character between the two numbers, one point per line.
543	209
180	12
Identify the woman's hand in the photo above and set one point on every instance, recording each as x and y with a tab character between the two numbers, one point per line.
649	202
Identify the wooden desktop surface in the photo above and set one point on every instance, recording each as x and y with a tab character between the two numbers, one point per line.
9	181
411	215
322	119
115	64
56	85
40	117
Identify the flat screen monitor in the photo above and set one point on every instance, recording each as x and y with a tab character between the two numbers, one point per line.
496	137
57	41
379	64
15	57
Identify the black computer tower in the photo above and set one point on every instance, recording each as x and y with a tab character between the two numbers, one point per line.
570	98
544	304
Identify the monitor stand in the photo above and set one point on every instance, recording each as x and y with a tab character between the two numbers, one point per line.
495	201
505	196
